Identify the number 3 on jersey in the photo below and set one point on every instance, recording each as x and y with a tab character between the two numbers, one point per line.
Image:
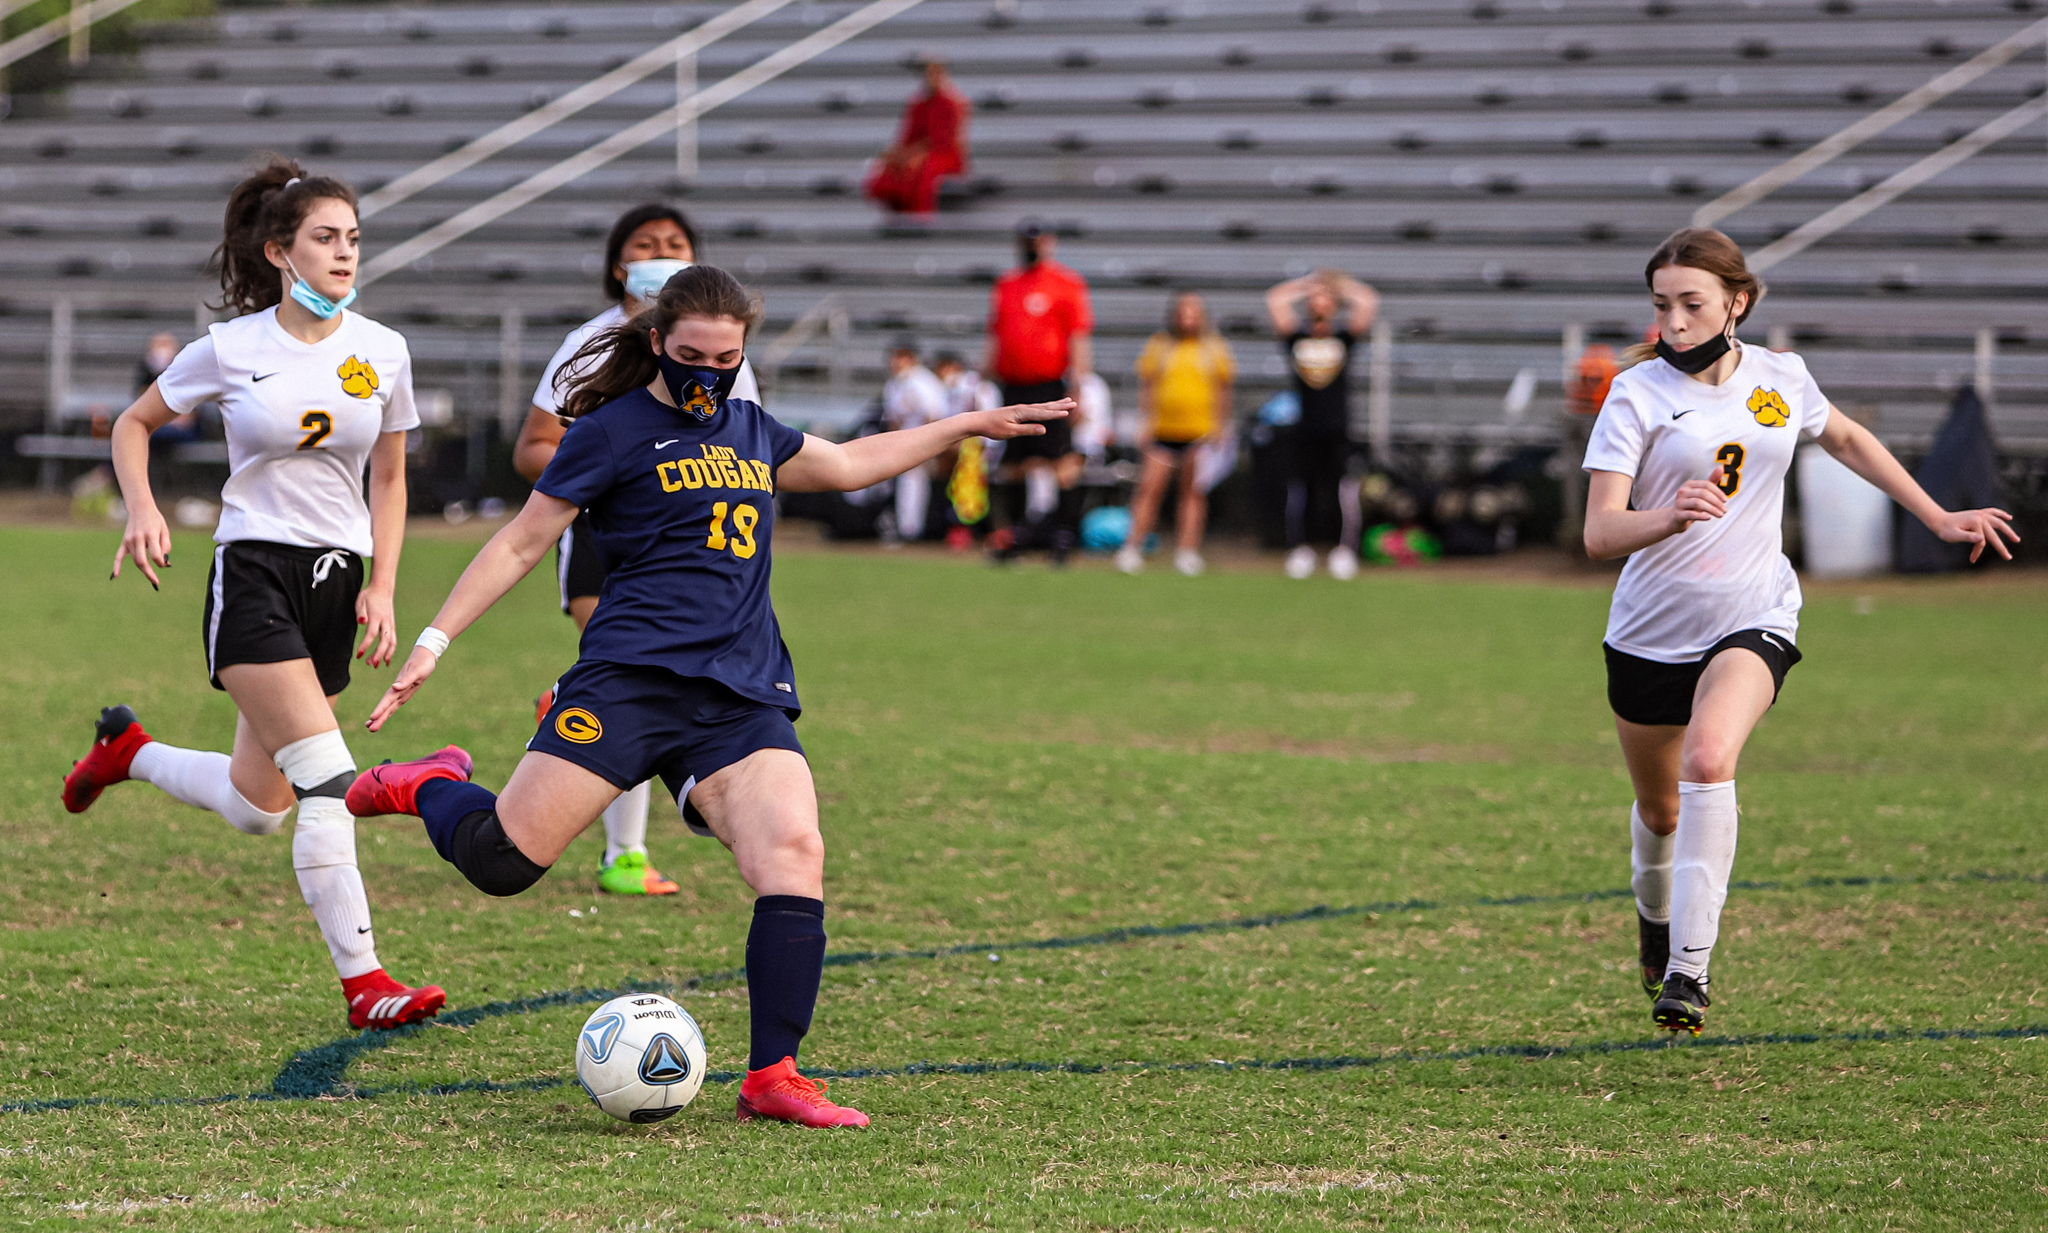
744	519
317	425
1730	457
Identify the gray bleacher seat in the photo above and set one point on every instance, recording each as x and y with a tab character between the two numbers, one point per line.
1498	169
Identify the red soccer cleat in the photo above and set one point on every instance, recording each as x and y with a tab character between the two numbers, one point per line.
543	704
377	1001
779	1093
388	787
116	738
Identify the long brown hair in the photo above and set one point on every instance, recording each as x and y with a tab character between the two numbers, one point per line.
619	360
268	205
1710	251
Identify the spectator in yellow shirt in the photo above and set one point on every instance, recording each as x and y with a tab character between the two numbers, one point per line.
1184	378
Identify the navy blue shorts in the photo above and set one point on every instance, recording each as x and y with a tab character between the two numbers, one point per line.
628	723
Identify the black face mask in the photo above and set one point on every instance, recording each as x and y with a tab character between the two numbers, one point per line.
1700	358
699	389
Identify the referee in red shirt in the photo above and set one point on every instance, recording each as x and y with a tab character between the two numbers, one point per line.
1038	350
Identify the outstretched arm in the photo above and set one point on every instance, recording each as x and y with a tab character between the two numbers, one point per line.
822	466
1860	451
510	556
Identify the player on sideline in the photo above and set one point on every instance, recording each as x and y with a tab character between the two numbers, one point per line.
648	245
683	670
1705	618
309	392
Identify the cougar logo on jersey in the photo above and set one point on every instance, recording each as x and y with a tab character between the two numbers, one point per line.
578	725
664	1062
599	1035
358	379
1769	409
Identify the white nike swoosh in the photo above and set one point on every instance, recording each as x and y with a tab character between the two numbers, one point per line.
662	445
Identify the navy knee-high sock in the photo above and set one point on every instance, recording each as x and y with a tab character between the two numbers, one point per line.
785	960
462	821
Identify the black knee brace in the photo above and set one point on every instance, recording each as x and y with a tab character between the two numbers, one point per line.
491	861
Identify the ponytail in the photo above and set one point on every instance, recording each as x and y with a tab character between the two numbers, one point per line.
621	359
268	205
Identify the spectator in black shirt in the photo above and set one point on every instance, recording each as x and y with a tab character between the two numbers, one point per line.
1318	318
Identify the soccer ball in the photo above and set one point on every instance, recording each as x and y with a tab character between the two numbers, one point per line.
640	1057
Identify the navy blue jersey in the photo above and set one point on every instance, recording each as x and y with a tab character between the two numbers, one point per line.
686	510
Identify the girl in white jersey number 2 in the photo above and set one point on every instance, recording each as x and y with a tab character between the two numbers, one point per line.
1705	619
309	393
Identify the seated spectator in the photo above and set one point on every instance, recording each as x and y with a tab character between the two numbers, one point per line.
913	398
931	145
157	356
1184	379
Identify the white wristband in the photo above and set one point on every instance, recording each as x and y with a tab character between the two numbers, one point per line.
434	640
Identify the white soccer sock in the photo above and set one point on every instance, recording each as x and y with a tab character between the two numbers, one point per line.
625	823
1041	493
200	777
1649	861
324	852
913	499
1702	859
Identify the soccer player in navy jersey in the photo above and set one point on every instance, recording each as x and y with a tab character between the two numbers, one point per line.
683	672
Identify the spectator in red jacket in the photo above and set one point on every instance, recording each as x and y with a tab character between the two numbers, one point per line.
932	144
1039	324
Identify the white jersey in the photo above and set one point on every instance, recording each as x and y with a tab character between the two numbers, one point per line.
549	399
1684	593
300	419
1093	417
914	398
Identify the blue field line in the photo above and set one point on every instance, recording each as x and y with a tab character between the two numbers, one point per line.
1529	1052
322	1071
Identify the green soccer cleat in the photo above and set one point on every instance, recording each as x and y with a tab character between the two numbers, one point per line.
630	874
1682	1006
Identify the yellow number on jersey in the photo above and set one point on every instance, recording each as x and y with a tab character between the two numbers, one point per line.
744	519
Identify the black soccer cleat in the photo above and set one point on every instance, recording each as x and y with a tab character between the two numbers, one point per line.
1682	1006
1653	943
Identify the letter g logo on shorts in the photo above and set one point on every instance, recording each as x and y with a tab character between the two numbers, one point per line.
578	725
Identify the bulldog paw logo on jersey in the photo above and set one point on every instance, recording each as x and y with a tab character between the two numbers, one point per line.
1769	409
578	725
358	379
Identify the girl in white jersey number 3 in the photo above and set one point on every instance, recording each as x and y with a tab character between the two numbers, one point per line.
309	393
1705	620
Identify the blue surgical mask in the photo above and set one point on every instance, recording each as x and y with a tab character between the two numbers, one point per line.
699	389
312	301
645	279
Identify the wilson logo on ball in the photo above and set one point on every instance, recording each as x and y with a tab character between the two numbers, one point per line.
578	725
664	1062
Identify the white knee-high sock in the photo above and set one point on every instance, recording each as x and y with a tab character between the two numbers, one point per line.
1649	862
625	823
200	777
324	850
1041	493
1702	859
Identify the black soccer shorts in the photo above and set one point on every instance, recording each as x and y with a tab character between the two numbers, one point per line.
1644	691
269	603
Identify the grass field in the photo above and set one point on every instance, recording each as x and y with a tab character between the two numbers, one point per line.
1010	758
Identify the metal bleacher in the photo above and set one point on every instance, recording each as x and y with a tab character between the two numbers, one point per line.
1498	170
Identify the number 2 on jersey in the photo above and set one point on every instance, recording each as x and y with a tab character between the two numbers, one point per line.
1730	457
744	519
317	424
